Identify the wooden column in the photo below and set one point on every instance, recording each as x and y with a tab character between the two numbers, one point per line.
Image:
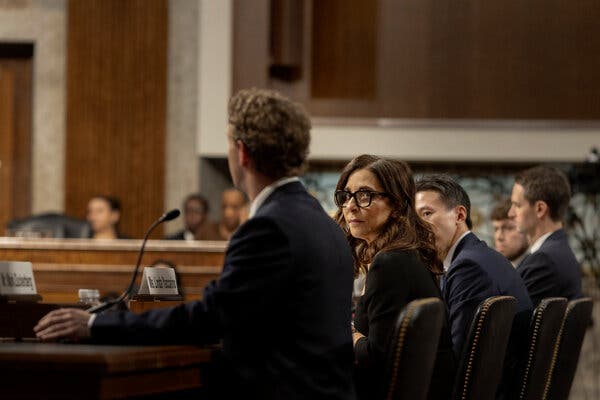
116	107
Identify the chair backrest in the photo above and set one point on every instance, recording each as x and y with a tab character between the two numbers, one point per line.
544	331
51	224
413	348
480	366
577	319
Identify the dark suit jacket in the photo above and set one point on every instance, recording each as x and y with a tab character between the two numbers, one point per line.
176	236
281	306
476	273
552	271
395	278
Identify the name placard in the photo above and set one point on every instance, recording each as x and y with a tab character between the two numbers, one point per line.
16	277
158	280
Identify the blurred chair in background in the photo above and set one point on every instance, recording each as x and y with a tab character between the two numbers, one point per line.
53	225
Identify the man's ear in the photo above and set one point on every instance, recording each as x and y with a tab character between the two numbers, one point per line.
541	209
242	153
461	214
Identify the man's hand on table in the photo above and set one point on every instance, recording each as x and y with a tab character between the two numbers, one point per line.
68	323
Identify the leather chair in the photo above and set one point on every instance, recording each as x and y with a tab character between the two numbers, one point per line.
51	224
480	367
577	319
413	349
545	329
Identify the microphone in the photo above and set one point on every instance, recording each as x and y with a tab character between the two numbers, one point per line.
167	216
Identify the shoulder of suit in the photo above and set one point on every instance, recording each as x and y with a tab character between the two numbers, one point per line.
405	259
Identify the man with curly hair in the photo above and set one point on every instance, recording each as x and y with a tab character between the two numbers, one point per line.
282	303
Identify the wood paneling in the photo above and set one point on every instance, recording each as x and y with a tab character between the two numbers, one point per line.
344	42
116	107
445	59
6	144
52	370
15	131
62	266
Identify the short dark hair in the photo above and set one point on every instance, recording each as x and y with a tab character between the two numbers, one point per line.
500	211
275	130
549	185
199	198
451	193
113	202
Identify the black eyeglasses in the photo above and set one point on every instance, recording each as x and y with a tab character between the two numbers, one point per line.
362	197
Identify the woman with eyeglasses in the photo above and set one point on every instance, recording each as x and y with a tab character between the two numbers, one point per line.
396	251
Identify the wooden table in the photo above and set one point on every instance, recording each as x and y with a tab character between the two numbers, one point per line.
62	266
75	371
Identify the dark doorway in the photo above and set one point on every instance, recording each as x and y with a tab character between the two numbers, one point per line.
16	69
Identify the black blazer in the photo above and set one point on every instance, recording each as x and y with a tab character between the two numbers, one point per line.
176	236
395	278
476	273
552	271
281	306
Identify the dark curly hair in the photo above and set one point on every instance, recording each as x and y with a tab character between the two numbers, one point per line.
403	229
275	130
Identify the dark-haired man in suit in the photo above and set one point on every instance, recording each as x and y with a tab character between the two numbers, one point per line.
195	211
282	303
472	270
540	199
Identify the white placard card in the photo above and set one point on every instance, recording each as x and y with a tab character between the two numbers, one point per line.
158	281
16	277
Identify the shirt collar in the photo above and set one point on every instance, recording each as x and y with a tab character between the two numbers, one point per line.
518	260
450	255
266	192
538	243
188	235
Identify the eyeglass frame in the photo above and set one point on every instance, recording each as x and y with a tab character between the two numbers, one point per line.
353	196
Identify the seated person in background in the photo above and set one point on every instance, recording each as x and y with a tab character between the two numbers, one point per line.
195	210
472	270
508	241
397	252
540	199
103	215
233	212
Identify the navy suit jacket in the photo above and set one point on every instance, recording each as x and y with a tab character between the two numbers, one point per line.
552	271
476	273
176	236
282	306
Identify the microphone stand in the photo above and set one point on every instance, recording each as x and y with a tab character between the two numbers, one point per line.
168	216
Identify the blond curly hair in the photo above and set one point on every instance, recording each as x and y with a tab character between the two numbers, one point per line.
275	130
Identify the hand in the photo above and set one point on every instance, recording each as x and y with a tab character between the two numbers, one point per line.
71	323
356	335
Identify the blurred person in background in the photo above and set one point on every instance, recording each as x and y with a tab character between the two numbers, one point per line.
103	215
508	241
195	211
234	211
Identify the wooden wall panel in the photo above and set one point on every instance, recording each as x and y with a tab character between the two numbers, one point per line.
15	131
6	145
344	42
116	107
446	59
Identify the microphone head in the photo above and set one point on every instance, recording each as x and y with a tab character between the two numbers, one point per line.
170	215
